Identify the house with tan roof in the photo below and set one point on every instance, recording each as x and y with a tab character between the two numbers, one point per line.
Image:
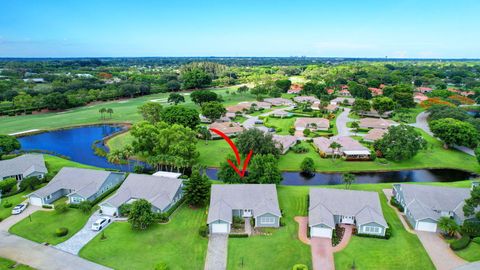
374	135
378	123
330	207
306	99
249	201
342	100
241	107
229	128
350	148
284	142
279	101
313	124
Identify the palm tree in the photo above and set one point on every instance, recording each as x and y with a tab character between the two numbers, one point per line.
334	146
115	156
205	133
348	179
102	111
128	152
448	226
110	111
355	125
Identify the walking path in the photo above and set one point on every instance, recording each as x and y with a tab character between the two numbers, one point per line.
36	255
302	229
217	252
248	226
389	194
82	237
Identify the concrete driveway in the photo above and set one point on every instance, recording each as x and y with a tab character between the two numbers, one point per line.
442	256
13	219
341	122
82	237
217	252
322	253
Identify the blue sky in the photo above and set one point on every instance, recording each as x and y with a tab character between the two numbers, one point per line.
361	28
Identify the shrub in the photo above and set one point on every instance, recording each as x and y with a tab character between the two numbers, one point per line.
138	169
61	231
461	243
300	149
471	227
47	206
203	231
124	209
161	217
306	132
161	266
7	184
395	203
7	204
61	208
291	130
300	267
85	206
238	235
30	183
476	240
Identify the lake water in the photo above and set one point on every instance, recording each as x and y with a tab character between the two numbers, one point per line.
76	143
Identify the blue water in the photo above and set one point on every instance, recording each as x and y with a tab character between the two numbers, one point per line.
75	143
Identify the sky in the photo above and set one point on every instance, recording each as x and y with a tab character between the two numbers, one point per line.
318	28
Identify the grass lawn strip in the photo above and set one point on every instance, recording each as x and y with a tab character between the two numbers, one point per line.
9	264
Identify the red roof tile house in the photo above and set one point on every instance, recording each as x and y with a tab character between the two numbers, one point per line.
419	97
424	89
375	91
295	89
312	124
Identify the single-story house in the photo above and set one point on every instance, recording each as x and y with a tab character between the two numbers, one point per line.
308	99
295	89
284	142
424	89
419	97
329	207
229	128
374	113
378	123
279	101
313	124
257	201
34	80
259	104
425	205
77	184
281	113
375	91
28	165
241	107
329	108
161	190
342	100
350	148
374	134
207	120
344	92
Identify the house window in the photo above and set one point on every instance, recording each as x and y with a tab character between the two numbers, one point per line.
267	220
371	229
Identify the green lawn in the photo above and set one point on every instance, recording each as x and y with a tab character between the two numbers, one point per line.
177	243
471	253
43	224
281	123
124	111
14	200
9	264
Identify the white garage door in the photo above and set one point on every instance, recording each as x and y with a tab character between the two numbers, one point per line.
426	226
35	201
220	228
321	232
109	211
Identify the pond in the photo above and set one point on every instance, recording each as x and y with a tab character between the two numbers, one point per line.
76	143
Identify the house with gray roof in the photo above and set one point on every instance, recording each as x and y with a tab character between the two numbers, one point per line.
161	191
329	207
257	201
284	142
28	165
77	184
425	205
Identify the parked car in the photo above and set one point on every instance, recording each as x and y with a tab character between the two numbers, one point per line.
258	122
19	208
100	223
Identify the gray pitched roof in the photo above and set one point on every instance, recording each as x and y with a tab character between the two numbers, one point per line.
25	165
261	198
84	182
326	202
425	201
159	191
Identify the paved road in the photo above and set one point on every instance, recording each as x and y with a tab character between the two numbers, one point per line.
322	253
36	255
82	237
421	122
441	254
342	120
217	252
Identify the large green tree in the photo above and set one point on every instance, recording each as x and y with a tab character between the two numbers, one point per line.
263	169
454	132
150	112
361	105
187	117
175	98
383	104
213	110
201	96
258	141
141	215
308	166
400	143
195	78
8	144
283	85
23	101
197	188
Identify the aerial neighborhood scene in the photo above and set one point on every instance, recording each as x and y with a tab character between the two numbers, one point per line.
311	135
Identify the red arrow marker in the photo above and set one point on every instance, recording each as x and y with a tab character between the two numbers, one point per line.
237	154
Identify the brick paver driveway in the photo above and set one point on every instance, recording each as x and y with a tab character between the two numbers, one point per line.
322	253
442	256
217	252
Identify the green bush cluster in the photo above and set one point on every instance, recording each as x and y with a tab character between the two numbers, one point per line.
397	204
300	267
238	235
61	231
203	231
461	243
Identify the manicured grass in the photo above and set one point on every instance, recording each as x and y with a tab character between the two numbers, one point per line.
176	243
14	200
9	264
43	224
213	153
281	123
124	111
471	253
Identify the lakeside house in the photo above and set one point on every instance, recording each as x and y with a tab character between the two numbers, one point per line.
284	142
24	166
330	207
247	201
77	185
374	135
162	190
313	124
229	128
350	148
378	123
425	205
